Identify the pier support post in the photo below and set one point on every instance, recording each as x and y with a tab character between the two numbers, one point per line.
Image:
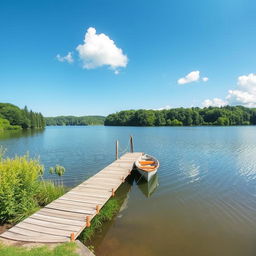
88	223
131	144
72	237
97	209
117	149
113	192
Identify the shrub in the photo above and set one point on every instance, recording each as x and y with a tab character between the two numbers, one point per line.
21	191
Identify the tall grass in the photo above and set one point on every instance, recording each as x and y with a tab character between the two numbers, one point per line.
21	190
67	249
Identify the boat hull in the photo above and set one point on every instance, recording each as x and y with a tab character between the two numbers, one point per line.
147	175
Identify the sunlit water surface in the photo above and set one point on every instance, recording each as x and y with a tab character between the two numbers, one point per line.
203	201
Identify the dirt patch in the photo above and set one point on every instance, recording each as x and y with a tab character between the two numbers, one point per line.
4	227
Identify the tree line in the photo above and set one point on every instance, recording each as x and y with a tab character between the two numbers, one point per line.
74	120
12	117
227	115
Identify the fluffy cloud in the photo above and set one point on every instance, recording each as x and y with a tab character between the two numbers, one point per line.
216	102
244	95
99	50
68	58
190	77
205	79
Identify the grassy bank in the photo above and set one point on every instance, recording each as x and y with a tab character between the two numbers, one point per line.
67	249
108	211
22	189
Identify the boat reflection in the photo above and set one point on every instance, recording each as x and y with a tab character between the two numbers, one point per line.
147	187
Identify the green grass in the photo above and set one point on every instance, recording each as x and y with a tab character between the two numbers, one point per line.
108	211
67	249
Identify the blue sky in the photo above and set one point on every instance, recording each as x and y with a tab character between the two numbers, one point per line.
154	44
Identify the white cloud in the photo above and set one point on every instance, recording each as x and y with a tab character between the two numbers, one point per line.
190	77
205	79
68	58
238	97
164	108
216	102
244	95
99	50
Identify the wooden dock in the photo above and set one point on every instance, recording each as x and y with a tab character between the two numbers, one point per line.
65	218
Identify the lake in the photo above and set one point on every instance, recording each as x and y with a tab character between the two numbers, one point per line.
202	202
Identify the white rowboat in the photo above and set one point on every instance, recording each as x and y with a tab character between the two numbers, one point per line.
147	166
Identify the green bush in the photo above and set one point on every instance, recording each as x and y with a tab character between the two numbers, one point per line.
47	192
21	191
5	125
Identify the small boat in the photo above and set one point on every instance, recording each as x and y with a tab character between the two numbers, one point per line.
147	166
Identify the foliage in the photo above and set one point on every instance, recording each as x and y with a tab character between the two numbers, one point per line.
227	115
66	249
21	191
20	117
106	214
5	125
47	192
74	120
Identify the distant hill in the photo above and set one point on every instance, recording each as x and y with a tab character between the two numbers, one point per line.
74	120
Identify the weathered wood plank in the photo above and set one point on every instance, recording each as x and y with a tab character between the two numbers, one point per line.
70	210
46	230
62	214
44	223
83	199
72	205
27	232
57	220
17	237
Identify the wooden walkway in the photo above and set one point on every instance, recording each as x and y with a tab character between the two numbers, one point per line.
65	218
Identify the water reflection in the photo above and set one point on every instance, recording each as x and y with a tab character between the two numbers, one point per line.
6	135
147	188
122	195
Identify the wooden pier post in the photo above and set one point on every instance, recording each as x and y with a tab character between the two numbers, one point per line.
72	237
97	209
88	222
117	149
113	192
131	144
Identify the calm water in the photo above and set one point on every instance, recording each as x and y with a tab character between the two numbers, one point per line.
205	203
